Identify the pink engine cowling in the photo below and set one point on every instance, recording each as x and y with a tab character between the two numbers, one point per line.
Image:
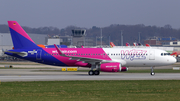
112	67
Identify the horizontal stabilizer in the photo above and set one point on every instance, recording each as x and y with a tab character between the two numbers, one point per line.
23	54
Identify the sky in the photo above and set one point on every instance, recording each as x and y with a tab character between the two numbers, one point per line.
88	13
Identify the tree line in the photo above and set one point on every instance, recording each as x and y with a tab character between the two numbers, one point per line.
109	33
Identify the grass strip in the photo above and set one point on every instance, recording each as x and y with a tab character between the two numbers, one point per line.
127	90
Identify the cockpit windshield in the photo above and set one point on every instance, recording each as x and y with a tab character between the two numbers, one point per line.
165	54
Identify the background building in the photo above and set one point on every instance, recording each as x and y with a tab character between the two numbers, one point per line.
156	41
6	41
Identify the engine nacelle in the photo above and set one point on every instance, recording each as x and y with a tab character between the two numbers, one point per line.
112	67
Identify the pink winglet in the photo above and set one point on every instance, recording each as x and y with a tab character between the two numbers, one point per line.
58	50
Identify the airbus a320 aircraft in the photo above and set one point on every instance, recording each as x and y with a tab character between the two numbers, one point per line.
100	59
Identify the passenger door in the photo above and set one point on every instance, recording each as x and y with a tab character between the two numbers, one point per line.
38	55
151	55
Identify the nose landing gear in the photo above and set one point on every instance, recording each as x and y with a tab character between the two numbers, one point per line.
152	71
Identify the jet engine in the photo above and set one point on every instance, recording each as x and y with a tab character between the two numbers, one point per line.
112	67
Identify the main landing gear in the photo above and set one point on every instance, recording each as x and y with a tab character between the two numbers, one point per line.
92	72
96	72
152	71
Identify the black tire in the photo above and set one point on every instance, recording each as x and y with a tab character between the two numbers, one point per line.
91	72
152	73
96	72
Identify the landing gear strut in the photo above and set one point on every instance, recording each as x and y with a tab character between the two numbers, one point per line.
96	72
152	71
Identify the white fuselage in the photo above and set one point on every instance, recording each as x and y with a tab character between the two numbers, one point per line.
140	56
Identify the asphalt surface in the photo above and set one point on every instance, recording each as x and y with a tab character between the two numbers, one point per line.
8	75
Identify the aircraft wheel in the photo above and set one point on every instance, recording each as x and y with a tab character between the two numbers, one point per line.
152	73
91	72
96	72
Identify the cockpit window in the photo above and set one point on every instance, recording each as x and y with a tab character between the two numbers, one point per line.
164	54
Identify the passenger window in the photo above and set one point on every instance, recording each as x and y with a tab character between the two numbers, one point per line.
161	54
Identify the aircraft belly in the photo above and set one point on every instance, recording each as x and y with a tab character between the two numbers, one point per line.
137	63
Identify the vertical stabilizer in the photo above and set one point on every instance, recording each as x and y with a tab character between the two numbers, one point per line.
112	44
127	44
19	37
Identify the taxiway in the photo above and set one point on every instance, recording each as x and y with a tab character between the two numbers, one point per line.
8	75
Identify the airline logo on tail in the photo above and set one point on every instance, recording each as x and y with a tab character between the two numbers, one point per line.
127	44
135	44
147	45
112	44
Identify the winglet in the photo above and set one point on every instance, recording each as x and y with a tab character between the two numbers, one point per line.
59	51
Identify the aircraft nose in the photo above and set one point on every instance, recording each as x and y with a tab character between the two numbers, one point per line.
173	60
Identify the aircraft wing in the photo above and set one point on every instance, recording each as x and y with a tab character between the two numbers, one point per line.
83	59
89	60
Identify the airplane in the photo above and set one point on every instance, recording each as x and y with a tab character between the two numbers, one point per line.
127	44
112	44
147	45
100	59
135	44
